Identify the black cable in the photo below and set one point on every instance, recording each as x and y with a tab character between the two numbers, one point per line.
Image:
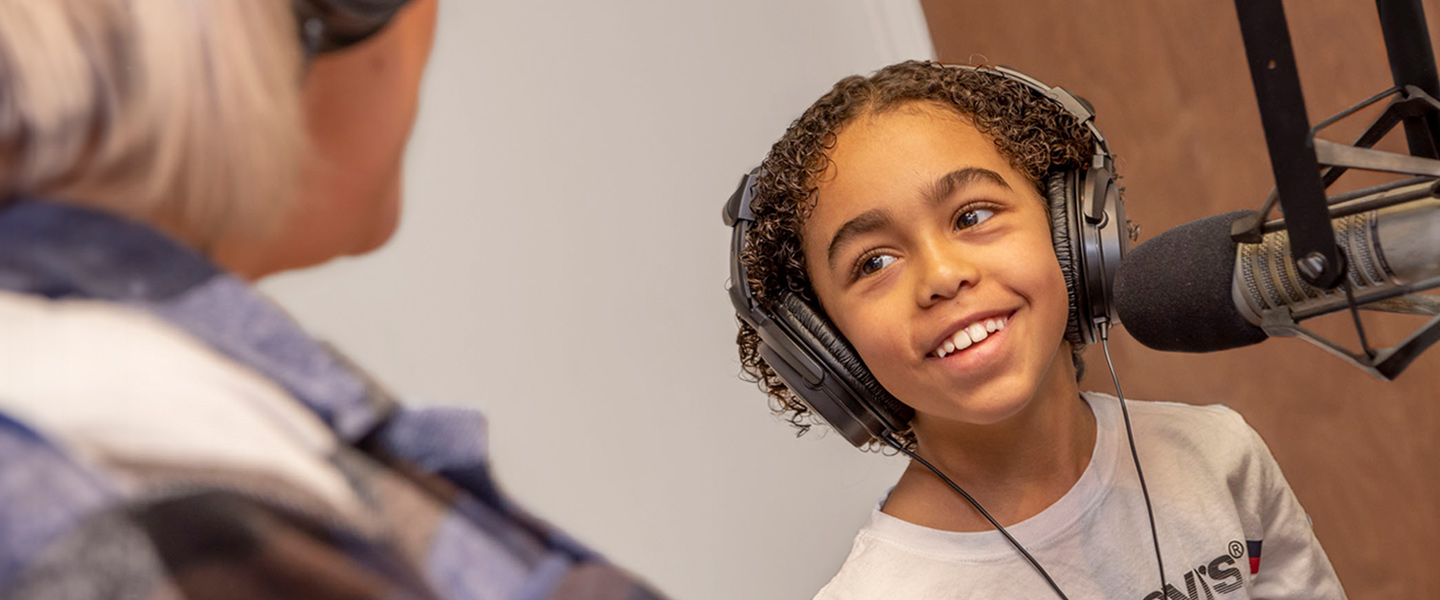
1105	343
1134	455
1031	559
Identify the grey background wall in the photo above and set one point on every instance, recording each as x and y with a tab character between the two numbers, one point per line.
561	266
1173	93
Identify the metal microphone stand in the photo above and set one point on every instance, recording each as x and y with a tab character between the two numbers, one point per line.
1297	155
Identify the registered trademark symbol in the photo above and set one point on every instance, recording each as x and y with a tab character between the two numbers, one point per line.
1237	549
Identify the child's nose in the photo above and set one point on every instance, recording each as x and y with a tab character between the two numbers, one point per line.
945	271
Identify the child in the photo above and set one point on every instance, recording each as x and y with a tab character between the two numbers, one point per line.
908	209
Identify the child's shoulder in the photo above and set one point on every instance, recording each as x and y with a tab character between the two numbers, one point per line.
1163	411
1210	428
1204	448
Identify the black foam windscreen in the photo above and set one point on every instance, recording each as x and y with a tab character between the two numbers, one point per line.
1173	292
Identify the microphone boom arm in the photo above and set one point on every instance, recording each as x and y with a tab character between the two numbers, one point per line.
1287	127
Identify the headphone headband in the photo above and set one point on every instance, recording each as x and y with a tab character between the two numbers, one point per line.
1074	104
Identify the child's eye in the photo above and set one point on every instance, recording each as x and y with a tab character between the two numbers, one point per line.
973	217
871	264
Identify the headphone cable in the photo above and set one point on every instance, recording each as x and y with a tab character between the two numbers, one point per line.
1134	455
898	446
1105	343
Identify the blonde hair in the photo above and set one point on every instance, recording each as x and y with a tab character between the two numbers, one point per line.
186	111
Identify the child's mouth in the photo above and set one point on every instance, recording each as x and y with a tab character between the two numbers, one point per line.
970	335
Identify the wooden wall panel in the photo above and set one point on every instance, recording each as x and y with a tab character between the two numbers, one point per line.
1172	91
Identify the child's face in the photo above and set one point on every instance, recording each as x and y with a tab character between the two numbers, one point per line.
922	228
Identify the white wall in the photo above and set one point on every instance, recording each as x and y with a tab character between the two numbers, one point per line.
561	267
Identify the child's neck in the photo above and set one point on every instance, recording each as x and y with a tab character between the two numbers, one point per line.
1015	469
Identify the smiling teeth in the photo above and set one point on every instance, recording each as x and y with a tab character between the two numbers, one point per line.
970	335
977	332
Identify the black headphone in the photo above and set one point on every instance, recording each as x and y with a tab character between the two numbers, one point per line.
824	371
329	25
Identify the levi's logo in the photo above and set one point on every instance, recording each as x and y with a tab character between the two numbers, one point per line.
1212	579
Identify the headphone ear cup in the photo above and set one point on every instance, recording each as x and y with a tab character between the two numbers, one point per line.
343	23
839	358
1061	191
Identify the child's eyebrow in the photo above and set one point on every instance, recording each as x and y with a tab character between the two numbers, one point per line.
941	189
867	222
959	179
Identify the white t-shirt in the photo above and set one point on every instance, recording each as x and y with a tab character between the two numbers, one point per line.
1229	526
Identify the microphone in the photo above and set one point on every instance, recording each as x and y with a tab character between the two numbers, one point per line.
1194	289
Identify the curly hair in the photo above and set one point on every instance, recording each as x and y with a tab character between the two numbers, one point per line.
1034	133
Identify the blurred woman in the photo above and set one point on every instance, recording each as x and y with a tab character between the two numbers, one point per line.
166	431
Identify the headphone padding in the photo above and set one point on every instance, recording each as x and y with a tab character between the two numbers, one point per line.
840	358
1060	193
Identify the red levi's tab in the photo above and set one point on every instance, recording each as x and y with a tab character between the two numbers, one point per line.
1253	546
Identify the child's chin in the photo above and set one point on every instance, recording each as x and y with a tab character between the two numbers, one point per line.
993	414
993	409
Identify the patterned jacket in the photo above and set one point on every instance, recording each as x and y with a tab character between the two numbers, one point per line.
166	432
